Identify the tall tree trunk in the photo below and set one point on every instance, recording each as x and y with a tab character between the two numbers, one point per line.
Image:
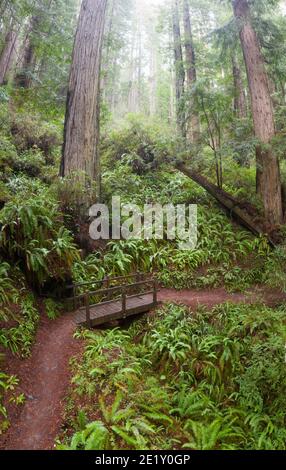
3	7
139	69
81	132
179	68
239	93
172	110
153	71
107	51
268	171
24	77
7	55
153	77
132	75
193	127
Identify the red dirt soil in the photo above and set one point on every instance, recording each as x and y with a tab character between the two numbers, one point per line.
45	376
44	379
212	297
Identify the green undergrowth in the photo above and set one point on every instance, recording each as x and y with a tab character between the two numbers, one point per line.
33	234
42	222
19	317
8	385
224	256
20	338
211	380
53	308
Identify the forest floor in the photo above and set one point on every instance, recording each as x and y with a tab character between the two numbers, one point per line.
45	376
44	379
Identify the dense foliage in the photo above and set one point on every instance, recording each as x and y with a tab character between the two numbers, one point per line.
210	380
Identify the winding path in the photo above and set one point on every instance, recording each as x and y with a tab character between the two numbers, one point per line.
212	297
44	379
45	376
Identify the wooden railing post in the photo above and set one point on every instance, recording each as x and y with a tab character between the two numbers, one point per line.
155	292
87	308
124	303
107	285
74	300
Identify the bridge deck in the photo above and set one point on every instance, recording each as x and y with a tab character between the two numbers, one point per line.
112	310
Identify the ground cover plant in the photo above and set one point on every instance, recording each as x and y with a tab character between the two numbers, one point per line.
205	380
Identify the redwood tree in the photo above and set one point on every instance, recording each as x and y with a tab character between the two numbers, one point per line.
179	67
24	77
240	107
194	124
268	171
81	132
7	54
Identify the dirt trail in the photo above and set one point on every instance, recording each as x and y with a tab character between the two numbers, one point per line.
212	297
45	376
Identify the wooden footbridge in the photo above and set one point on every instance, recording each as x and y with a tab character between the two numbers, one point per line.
114	299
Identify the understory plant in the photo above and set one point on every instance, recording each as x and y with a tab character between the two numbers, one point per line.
19	338
7	385
33	236
211	380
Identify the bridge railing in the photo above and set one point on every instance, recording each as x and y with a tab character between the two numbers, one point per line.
107	282
90	299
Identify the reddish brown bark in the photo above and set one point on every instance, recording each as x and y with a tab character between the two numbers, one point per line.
7	55
24	77
230	204
268	171
193	126
179	68
81	135
240	107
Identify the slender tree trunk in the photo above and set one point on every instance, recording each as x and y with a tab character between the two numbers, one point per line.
107	51
268	171
3	6
172	111
113	95
132	76
24	77
239	93
7	55
193	127
139	70
81	133
153	72
179	68
153	77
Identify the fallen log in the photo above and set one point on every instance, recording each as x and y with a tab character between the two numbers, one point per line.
230	204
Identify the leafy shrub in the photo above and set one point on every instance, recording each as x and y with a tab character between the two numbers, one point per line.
52	308
74	200
20	338
7	290
32	235
214	380
30	162
8	156
7	384
135	143
29	132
